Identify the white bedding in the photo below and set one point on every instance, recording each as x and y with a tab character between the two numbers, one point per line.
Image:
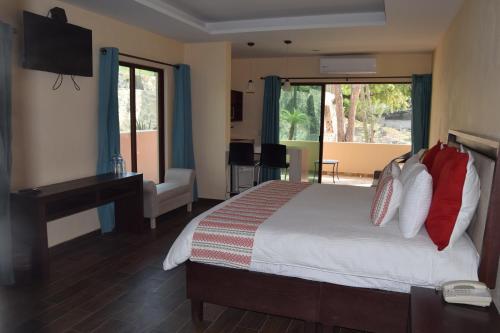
324	234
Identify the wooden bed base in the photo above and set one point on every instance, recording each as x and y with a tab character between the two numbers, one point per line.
314	302
330	305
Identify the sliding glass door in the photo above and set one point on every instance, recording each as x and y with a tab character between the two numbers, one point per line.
141	113
301	117
365	126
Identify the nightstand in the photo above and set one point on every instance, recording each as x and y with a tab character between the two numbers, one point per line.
430	313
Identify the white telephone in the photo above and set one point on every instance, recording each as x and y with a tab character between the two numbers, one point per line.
467	292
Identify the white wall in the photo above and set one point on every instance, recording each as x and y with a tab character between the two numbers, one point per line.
210	83
55	132
389	64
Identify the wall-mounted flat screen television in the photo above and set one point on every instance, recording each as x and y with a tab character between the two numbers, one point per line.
57	47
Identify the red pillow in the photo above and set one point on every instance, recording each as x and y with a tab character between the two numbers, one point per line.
447	200
441	158
430	156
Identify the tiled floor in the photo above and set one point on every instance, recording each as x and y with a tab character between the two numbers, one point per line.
115	283
347	180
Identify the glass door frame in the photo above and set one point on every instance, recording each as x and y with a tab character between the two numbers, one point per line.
161	116
321	125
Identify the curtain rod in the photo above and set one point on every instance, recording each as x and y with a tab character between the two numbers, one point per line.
141	58
150	60
347	78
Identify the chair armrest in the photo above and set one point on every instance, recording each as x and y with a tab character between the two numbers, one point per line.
180	176
149	187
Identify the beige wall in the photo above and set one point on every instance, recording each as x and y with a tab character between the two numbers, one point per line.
55	132
210	83
465	94
391	64
467	73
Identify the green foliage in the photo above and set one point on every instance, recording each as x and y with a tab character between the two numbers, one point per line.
313	120
300	112
146	94
293	118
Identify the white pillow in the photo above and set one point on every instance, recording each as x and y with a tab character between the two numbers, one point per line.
386	201
415	159
416	199
470	200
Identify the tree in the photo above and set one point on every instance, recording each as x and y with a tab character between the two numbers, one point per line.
339	107
293	118
313	120
351	118
379	99
328	123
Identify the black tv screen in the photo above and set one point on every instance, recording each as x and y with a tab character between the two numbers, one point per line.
56	47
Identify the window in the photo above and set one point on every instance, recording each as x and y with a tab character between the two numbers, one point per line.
368	113
141	113
337	125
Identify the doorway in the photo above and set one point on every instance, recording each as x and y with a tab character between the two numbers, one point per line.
366	125
301	119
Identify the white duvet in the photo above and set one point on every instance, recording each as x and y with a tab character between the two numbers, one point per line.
324	234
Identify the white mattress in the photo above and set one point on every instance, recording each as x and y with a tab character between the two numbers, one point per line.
324	234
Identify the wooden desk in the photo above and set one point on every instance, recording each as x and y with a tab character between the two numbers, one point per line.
32	211
430	313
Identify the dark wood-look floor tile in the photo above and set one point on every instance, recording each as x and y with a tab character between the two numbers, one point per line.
99	317
66	322
276	324
116	326
297	326
240	329
103	299
253	320
226	322
115	283
212	311
192	327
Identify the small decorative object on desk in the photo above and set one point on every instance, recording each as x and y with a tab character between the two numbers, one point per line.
118	164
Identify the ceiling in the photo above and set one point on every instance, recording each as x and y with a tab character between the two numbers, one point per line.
315	26
222	10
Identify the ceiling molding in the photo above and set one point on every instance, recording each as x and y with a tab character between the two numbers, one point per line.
174	13
298	22
269	24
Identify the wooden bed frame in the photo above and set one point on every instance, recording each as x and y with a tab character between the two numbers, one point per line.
331	305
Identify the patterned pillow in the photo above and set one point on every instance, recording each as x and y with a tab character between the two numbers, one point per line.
386	201
391	170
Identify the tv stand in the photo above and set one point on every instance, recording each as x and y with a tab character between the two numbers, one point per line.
32	210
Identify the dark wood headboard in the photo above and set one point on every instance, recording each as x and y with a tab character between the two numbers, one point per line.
488	266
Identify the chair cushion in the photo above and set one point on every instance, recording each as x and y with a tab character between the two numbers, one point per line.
169	190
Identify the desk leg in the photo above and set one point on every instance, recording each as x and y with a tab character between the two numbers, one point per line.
40	251
129	214
29	230
314	174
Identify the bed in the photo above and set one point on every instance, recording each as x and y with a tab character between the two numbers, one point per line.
315	258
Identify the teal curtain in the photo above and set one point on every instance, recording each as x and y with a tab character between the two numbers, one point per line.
182	133
109	126
421	95
271	120
6	266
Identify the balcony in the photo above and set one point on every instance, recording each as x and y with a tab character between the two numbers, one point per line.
357	161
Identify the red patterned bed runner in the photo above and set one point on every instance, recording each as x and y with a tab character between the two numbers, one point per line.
226	236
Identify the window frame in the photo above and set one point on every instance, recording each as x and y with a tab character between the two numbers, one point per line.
161	115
